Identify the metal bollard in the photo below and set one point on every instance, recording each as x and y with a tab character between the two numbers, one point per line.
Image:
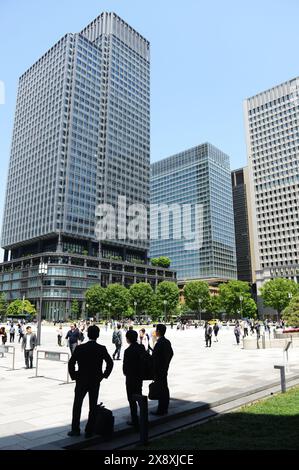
282	378
264	341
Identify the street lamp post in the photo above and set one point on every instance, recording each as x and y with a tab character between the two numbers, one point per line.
135	305
86	308
109	305
241	299
199	309
42	271
165	303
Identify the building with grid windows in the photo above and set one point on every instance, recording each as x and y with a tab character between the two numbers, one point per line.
272	131
81	138
200	175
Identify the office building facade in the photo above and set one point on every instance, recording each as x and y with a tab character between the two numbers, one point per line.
272	129
242	218
199	176
81	139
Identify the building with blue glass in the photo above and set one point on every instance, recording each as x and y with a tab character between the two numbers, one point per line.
200	178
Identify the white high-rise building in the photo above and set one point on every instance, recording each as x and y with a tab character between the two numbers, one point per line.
272	131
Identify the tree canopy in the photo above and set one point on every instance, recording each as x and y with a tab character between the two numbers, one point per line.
162	261
95	300
118	296
236	300
167	297
141	294
197	295
19	308
291	313
278	292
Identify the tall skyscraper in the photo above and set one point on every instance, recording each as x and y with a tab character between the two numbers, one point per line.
243	222
272	130
81	138
199	176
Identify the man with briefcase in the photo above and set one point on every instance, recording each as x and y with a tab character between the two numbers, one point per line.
89	356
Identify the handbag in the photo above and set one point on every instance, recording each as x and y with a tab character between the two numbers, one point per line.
154	391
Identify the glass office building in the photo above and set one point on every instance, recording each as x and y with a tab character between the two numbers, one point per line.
81	138
199	176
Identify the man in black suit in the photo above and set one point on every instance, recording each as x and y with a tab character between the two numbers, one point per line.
162	355
90	357
132	369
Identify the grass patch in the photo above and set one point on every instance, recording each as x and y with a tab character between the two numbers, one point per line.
271	423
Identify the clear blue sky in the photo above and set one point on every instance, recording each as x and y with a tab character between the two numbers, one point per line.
206	57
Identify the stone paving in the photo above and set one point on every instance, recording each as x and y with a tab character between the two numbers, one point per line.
35	411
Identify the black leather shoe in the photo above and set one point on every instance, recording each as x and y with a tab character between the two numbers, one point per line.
74	433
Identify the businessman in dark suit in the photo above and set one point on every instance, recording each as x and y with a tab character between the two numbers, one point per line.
162	355
132	369
89	357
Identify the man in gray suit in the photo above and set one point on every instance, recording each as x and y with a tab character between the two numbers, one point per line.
29	343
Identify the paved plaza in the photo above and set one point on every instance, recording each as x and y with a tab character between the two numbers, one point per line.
37	411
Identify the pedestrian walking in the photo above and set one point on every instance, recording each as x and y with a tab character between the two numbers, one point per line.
162	355
20	332
208	334
237	332
257	328
117	341
143	339
29	343
73	336
3	335
245	328
59	335
216	330
12	331
89	356
132	369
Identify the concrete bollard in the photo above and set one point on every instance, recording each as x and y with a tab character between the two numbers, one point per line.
282	377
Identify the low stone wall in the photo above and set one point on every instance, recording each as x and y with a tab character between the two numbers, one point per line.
286	335
265	342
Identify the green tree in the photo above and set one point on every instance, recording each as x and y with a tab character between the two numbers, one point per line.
75	309
197	296
277	293
18	307
236	300
141	294
3	305
154	310
95	300
118	296
291	313
162	261
214	307
167	297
